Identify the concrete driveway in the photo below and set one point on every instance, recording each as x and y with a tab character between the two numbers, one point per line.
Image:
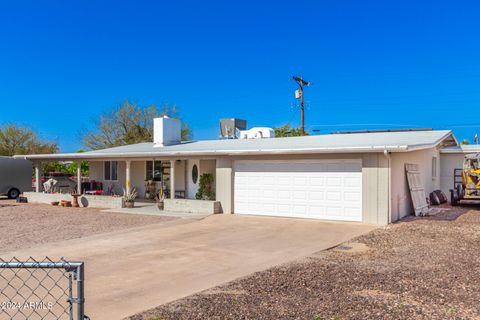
136	269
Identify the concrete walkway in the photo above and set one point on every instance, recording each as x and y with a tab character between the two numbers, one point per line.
133	270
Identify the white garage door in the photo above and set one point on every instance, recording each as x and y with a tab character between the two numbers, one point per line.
327	189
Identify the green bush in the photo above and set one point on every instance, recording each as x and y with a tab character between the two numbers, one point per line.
205	190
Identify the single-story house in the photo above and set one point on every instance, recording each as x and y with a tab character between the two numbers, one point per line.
345	177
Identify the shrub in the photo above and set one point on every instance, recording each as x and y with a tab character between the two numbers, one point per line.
205	190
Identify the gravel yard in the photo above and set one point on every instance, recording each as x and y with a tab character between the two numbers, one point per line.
26	225
420	268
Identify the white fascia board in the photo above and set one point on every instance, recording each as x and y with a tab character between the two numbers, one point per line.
446	150
97	155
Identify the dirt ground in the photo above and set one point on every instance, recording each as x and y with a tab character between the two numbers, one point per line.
419	268
27	225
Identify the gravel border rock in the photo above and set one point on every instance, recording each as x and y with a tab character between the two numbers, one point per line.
419	268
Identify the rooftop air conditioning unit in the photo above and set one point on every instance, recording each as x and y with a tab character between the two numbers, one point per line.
229	128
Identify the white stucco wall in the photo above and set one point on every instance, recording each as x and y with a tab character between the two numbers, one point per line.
450	161
137	176
180	175
224	184
401	202
207	166
96	170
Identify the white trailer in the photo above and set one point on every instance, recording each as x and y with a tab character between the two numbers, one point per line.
15	177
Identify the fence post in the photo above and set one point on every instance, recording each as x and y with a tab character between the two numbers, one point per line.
80	291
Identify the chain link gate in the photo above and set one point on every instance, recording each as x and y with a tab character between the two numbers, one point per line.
41	290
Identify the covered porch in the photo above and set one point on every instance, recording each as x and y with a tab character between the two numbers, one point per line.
110	178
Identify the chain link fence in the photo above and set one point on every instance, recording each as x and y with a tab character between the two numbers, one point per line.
43	290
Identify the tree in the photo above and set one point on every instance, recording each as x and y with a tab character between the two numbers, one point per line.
129	123
465	141
23	140
67	166
287	131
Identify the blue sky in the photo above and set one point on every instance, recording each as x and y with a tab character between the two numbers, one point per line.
373	64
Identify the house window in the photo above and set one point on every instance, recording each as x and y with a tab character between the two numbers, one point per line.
110	172
195	174
434	167
153	170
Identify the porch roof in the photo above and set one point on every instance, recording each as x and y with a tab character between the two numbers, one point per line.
329	143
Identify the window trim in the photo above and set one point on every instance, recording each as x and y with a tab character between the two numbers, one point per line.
153	170
434	167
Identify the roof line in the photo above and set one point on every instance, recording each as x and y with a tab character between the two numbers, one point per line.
87	156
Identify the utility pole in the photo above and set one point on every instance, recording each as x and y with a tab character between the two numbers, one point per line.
301	83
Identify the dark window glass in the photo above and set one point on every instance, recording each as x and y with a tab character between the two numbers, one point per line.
157	170
149	170
195	173
106	170
114	170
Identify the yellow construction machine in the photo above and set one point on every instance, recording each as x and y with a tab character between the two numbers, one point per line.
466	181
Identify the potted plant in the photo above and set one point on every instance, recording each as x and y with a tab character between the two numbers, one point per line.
205	189
129	197
160	198
151	190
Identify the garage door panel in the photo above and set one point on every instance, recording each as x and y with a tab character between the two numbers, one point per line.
284	209
352	196
252	193
334	195
241	180
317	182
334	181
334	211
300	195
284	181
300	210
317	211
328	189
317	195
269	180
300	181
352	182
269	194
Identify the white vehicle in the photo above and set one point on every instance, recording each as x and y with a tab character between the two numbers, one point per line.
15	176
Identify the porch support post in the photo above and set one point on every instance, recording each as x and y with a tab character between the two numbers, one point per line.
38	176
79	176
128	182
172	179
